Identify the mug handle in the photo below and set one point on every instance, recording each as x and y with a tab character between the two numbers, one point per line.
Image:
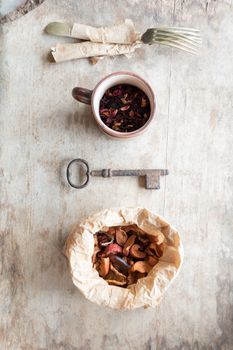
82	95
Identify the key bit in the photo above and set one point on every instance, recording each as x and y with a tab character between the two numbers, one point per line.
152	176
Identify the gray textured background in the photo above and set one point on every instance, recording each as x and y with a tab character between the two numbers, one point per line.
42	128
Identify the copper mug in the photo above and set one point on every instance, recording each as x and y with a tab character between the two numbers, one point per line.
93	97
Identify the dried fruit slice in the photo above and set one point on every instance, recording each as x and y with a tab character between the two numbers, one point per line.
152	260
113	282
158	238
112	248
112	231
119	263
116	278
128	244
141	275
133	228
136	252
104	239
121	236
144	240
117	273
141	266
103	266
156	249
130	261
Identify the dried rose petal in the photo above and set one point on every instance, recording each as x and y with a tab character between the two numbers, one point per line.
117	91
125	108
113	112
131	114
143	103
104	110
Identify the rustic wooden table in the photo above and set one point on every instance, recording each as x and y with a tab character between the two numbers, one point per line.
42	128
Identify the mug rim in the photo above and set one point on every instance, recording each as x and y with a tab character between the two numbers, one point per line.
121	134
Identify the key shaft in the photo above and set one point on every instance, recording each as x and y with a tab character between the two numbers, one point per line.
152	176
129	172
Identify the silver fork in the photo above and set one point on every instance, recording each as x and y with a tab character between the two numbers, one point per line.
186	39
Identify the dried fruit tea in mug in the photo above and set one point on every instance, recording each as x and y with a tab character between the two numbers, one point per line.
124	108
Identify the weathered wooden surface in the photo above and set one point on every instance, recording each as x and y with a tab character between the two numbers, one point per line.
10	10
42	128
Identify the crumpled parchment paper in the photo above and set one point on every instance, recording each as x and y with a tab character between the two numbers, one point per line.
123	33
65	52
148	290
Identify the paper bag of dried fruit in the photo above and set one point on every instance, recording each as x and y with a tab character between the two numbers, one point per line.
124	258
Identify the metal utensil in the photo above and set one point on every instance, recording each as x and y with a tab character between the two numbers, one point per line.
186	39
152	176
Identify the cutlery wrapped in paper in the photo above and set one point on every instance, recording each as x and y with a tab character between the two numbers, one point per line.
117	39
147	291
64	52
123	33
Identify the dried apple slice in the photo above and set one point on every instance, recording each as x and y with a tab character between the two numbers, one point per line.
103	266
121	236
152	260
128	244
133	228
158	238
136	252
113	282
116	278
144	240
141	266
156	249
112	231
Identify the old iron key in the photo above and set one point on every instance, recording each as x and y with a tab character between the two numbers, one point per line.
152	176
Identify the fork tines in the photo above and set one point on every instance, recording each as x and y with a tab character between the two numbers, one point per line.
186	39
